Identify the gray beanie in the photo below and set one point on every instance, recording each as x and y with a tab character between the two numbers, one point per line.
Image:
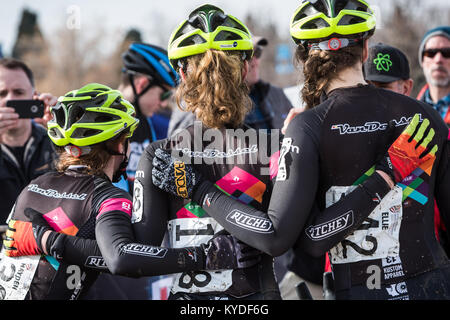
439	31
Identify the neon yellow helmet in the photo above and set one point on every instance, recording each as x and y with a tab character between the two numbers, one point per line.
316	20
208	27
90	115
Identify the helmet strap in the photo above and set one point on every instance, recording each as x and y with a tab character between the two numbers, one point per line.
122	169
136	95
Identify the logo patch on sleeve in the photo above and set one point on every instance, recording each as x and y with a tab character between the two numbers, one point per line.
331	227
249	222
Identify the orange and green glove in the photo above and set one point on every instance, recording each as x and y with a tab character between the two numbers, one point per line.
25	238
20	239
410	151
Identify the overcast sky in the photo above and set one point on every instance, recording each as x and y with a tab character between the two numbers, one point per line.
114	17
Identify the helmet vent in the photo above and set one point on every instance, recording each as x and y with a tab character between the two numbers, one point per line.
305	12
349	20
340	5
319	6
184	29
84	133
198	23
316	24
75	114
56	133
117	105
229	22
59	115
217	20
356	5
104	118
195	39
226	35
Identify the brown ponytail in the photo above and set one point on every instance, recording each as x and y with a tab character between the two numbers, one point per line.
320	68
95	161
214	89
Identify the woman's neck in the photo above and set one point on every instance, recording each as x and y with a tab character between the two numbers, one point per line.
348	77
110	168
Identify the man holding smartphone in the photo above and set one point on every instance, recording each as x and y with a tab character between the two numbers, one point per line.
25	149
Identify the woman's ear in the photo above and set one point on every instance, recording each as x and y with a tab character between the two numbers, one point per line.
182	74
120	148
245	67
365	55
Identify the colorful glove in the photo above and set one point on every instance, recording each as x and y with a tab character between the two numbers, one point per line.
25	238
409	152
224	251
20	240
39	224
174	176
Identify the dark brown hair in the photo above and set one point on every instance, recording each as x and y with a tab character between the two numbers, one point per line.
14	64
95	161
321	67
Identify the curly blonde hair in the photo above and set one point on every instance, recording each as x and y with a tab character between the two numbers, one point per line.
214	89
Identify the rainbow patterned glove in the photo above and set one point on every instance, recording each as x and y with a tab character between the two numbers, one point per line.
409	151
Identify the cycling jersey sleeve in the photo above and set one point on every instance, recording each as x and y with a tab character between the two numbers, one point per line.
75	250
293	199
150	204
124	256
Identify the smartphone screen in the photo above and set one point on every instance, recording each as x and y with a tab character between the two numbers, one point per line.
27	109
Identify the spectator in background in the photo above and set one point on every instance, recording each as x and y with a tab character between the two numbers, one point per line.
434	57
388	68
147	82
25	149
270	104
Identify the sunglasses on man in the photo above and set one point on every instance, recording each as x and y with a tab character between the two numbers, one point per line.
166	94
430	53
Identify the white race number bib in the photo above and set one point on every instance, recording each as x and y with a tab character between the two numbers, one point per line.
377	237
193	232
16	275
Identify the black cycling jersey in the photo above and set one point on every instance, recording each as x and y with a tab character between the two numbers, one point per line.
84	208
239	166
70	202
326	153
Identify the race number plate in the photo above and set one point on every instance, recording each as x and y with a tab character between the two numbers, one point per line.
377	237
193	232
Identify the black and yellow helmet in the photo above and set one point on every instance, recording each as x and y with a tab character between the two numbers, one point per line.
208	27
90	115
316	20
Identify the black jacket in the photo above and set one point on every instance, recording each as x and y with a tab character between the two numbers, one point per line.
272	104
38	159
